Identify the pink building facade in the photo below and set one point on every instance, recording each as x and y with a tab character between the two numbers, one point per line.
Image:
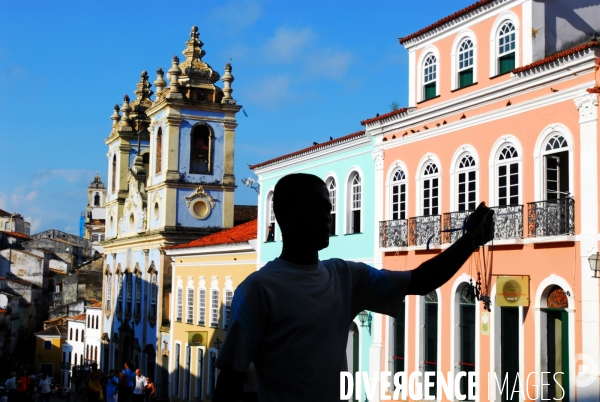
503	108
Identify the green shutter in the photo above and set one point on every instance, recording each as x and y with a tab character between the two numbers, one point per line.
465	77
430	90
509	349
507	63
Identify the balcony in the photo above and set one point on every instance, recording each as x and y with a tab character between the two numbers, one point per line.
551	217
508	222
423	228
454	220
393	233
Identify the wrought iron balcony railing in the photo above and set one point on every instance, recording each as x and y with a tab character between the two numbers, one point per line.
551	217
393	233
508	222
454	220
423	228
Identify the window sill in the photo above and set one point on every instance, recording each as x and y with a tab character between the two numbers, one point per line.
500	75
351	234
466	86
332	235
427	100
269	241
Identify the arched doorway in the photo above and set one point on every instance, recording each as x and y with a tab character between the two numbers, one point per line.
557	344
430	339
466	342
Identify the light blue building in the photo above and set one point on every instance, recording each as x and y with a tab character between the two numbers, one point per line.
347	166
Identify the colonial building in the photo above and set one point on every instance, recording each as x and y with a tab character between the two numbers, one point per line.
48	347
170	181
206	272
502	108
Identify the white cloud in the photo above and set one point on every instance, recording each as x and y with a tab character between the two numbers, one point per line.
270	91
288	44
329	63
70	175
31	196
236	15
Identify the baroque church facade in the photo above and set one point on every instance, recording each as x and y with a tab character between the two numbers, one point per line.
170	181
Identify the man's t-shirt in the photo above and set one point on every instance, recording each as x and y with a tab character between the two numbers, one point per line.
130	376
140	384
293	321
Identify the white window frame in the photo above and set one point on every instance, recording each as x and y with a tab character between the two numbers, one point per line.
153	312
189	316
227	300
199	375
507	16
129	292
119	306
401	182
429	50
455	57
179	305
493	166
202	306
425	160
214	307
463	150
333	198
270	217
466	170
430	177
388	186
107	305
539	153
351	204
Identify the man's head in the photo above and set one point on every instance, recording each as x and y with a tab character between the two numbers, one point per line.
126	365
303	210
44	376
138	372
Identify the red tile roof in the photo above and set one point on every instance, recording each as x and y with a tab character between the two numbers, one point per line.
594	90
556	56
244	213
79	317
383	116
237	234
309	149
18	235
445	20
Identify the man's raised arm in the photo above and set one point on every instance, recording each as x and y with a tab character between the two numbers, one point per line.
433	273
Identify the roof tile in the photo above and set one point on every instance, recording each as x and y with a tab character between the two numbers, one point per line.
383	116
237	234
556	56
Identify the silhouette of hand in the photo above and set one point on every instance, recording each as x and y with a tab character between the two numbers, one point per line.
480	226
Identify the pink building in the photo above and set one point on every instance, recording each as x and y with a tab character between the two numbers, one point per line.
503	108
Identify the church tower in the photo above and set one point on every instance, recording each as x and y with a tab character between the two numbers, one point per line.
95	213
170	181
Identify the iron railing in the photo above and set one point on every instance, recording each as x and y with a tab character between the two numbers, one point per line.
423	228
508	222
393	233
454	220
551	217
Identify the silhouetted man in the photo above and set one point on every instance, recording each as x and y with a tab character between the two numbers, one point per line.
291	317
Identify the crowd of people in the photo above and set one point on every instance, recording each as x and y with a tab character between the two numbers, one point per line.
128	385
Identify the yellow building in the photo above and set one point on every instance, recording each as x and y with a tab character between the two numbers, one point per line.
205	274
48	345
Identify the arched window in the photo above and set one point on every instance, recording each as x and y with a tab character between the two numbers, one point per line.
190	306
76	335
201	150
153	295
430	188
71	334
398	195
430	338
332	188
119	306
465	63
158	161
508	176
114	174
138	294
354	203
129	293
270	214
82	332
96	200
89	319
556	167
179	315
506	47
467	184
202	306
467	331
430	77
214	308
228	300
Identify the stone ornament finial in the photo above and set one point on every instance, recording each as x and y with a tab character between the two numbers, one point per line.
143	92
160	81
194	69
125	109
115	117
174	73
227	80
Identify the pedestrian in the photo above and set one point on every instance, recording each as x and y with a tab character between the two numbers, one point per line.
140	386
291	317
94	386
123	389
23	387
11	387
149	391
112	386
130	378
45	388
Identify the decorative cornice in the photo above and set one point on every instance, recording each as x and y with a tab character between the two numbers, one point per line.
556	60
200	193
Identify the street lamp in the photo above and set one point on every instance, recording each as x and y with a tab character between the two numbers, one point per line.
594	261
365	318
217	343
250	182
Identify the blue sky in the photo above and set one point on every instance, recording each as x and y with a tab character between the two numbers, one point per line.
304	71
